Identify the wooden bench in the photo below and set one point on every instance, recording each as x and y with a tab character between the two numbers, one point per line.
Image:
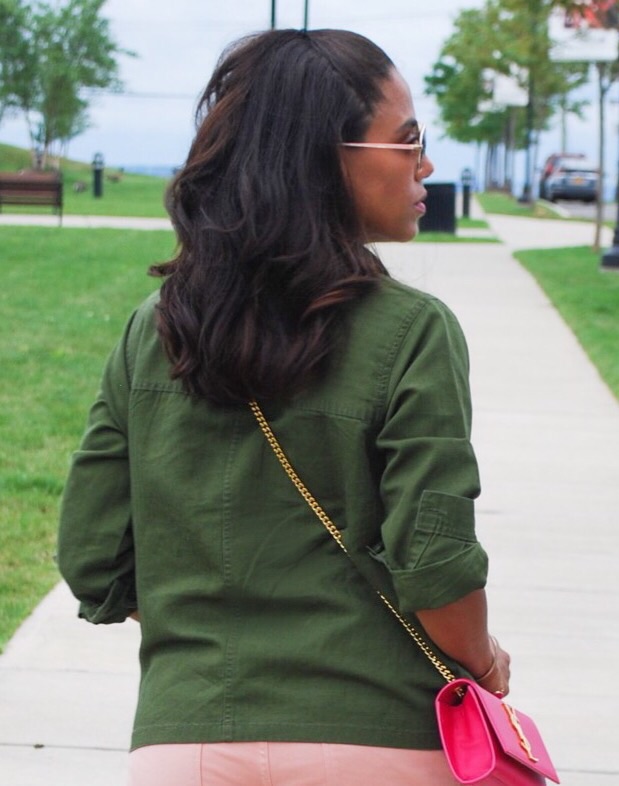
30	187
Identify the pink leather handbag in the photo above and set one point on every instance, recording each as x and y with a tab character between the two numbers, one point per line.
485	739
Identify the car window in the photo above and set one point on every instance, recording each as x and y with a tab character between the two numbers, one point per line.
576	165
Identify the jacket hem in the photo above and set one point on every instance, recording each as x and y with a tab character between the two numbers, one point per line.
379	736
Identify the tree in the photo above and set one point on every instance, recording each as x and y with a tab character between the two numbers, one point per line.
509	37
457	83
60	51
14	54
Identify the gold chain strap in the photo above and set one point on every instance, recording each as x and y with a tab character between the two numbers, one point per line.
332	529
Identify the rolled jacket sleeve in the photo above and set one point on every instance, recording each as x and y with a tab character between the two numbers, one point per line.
95	542
431	477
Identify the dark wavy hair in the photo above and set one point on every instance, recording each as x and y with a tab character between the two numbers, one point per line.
270	247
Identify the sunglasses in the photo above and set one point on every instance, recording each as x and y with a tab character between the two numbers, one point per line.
420	146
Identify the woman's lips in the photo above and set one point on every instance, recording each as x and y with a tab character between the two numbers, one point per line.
420	206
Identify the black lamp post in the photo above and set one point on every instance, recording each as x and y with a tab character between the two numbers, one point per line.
305	15
97	175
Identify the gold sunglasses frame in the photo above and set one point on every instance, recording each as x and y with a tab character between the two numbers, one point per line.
420	146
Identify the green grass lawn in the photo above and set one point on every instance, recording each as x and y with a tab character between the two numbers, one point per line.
447	237
66	294
472	223
461	223
588	299
125	194
504	204
141	196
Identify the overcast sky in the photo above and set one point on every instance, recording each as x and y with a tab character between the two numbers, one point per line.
177	43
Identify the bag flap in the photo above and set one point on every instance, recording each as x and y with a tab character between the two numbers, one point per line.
516	732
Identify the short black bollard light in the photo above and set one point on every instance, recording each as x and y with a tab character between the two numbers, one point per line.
466	178
97	175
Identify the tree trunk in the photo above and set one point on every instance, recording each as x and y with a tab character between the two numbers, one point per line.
603	85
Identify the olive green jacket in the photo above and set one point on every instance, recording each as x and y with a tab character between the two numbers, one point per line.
255	625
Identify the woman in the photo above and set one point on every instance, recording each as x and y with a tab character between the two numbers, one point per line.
265	653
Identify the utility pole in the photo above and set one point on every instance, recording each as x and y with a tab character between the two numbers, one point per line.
306	15
273	14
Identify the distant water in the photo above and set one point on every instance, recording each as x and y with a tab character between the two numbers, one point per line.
153	171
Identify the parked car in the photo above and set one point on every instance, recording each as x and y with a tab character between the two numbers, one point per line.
569	176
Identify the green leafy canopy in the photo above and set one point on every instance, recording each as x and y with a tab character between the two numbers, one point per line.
50	54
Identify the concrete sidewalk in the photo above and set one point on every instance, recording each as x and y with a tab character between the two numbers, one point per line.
546	432
84	222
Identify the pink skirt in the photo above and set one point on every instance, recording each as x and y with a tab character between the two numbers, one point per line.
286	764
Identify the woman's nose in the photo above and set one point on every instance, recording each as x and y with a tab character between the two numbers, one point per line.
426	168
